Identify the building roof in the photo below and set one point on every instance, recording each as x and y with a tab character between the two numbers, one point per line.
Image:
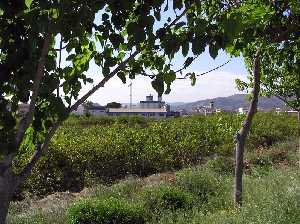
152	101
96	107
137	110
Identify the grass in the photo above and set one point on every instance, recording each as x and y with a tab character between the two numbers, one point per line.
271	194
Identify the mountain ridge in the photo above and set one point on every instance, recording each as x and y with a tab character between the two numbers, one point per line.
232	102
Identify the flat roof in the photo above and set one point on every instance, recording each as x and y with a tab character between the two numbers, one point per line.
137	110
151	101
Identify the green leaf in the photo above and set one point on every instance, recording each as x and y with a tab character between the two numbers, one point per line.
198	46
28	3
158	85
213	51
122	76
177	4
185	48
188	61
169	77
192	78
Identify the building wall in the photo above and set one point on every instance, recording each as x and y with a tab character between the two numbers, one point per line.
97	112
144	114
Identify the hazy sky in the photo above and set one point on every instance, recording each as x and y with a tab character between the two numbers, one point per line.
215	84
218	83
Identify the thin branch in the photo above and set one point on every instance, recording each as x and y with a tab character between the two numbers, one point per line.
37	154
283	99
61	48
59	62
255	93
102	82
24	124
184	67
178	18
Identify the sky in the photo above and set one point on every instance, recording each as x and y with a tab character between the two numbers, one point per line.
219	83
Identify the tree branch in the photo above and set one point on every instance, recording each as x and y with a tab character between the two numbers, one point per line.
283	99
255	94
24	124
41	148
6	163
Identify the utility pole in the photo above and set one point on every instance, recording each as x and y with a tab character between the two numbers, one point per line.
130	105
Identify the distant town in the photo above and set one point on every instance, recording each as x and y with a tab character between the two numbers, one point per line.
157	108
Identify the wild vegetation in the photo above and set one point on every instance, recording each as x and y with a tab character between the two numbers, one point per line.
192	195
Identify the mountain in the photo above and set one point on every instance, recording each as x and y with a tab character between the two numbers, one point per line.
232	103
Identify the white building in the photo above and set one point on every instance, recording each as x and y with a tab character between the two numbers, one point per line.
242	110
93	109
147	108
79	111
146	112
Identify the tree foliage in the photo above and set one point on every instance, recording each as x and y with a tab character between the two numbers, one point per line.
113	105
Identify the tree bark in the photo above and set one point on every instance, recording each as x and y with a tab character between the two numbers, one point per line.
243	132
7	188
299	135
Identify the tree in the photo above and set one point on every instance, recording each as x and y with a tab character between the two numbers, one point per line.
113	105
124	43
254	25
280	74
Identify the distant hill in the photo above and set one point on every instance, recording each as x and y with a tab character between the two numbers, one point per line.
231	103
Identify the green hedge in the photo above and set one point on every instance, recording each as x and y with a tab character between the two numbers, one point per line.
141	147
107	211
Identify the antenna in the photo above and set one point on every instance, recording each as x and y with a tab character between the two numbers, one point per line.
130	85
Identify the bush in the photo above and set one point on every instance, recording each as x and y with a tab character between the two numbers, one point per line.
201	182
282	153
107	211
167	197
221	164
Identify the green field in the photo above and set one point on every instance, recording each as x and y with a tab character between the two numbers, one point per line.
107	149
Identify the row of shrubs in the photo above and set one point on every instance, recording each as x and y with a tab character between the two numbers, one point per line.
80	153
192	188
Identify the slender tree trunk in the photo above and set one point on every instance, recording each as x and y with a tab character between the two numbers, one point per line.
299	135
7	188
243	132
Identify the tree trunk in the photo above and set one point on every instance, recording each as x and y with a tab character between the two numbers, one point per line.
7	188
243	132
299	135
239	167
